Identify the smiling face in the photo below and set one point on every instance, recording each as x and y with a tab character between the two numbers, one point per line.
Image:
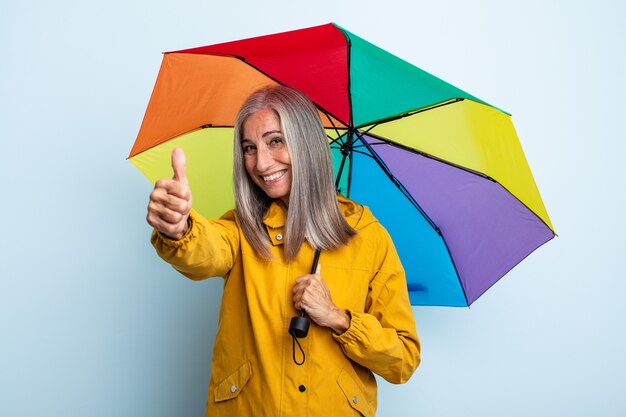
265	154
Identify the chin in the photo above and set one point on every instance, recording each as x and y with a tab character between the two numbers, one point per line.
275	192
276	195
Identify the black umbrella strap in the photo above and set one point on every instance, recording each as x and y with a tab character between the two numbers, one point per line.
294	341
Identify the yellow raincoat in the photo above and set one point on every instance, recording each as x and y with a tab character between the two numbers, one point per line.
253	371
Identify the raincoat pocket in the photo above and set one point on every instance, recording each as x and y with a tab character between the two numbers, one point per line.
354	395
233	384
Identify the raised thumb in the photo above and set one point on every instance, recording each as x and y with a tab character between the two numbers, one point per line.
179	165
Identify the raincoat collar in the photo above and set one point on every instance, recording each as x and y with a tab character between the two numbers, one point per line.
275	217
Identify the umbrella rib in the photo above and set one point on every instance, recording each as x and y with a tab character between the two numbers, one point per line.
399	185
334	140
363	146
195	129
351	140
385	141
242	59
411	113
349	86
330	119
364	153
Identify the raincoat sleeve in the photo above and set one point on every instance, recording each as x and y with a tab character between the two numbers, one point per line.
208	249
383	338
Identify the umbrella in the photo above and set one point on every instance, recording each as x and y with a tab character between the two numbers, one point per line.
442	170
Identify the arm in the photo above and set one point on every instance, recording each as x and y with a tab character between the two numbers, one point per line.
207	249
196	247
384	338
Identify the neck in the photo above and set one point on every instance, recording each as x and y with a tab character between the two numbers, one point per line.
283	202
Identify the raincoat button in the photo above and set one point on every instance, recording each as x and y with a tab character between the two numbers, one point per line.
279	237
302	388
233	389
355	399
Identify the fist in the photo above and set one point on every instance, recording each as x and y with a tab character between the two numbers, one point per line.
170	201
311	294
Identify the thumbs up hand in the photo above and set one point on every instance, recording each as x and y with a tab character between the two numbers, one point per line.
170	201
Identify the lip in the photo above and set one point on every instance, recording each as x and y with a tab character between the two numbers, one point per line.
273	177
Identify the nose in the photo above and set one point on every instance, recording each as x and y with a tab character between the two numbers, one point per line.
264	159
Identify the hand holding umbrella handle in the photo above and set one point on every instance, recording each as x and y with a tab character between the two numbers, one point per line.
170	201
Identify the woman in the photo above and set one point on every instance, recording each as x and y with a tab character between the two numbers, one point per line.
286	208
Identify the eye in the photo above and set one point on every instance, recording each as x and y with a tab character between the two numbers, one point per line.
248	149
277	141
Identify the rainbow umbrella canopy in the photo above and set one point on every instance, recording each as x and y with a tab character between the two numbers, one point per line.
442	170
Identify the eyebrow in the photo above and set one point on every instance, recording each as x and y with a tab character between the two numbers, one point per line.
269	132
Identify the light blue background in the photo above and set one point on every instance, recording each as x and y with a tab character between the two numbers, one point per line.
93	324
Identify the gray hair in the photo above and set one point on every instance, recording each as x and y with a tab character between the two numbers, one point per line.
313	212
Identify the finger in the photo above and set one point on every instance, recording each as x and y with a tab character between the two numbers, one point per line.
172	217
173	187
171	231
162	225
296	301
170	201
302	278
160	202
300	287
179	165
298	298
318	269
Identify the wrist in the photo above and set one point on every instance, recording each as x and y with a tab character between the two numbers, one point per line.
187	227
340	322
182	234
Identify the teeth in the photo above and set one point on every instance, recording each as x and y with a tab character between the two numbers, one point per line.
274	176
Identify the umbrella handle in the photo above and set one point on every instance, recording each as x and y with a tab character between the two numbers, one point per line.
299	326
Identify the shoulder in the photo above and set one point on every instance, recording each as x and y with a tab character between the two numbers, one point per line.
370	231
230	215
358	216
